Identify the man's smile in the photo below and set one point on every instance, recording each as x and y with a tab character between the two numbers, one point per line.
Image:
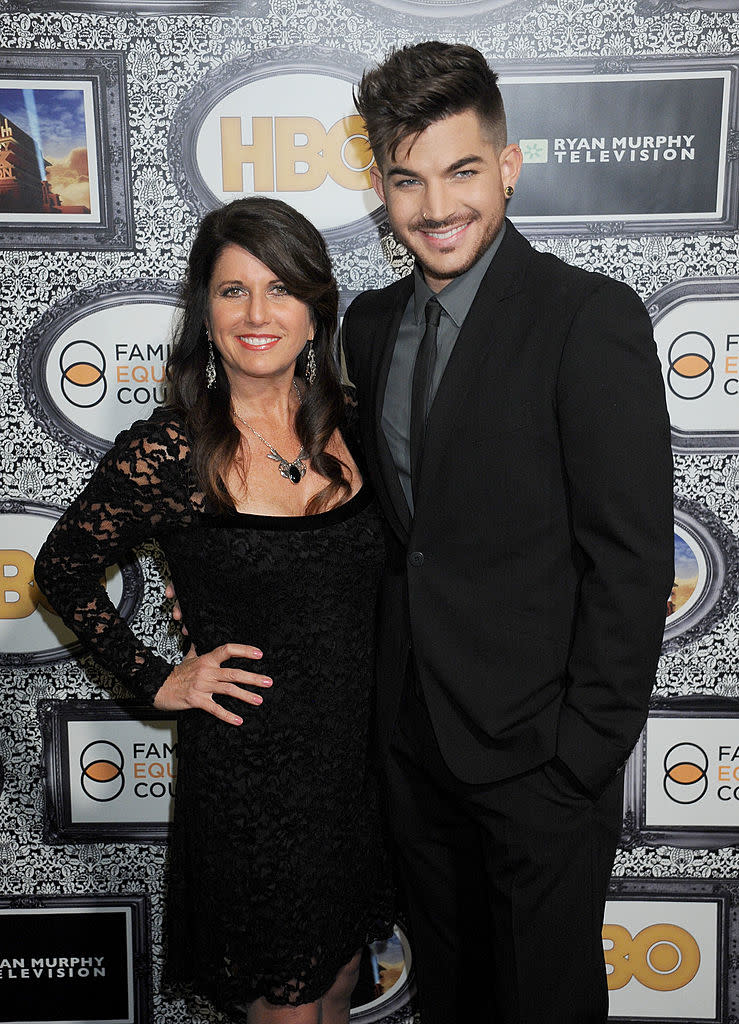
443	236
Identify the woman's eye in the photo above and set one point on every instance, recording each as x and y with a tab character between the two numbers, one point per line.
279	289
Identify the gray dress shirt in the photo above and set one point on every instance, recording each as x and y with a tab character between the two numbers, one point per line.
455	300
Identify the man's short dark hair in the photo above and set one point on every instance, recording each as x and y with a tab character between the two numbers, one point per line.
418	85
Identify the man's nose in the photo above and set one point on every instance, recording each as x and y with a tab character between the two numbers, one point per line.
438	204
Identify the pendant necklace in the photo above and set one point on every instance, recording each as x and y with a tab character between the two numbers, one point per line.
293	471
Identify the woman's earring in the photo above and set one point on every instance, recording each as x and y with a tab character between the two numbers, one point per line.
210	366
310	364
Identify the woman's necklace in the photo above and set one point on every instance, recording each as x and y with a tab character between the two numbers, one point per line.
293	471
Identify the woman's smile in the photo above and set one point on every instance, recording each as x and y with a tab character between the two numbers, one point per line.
258	342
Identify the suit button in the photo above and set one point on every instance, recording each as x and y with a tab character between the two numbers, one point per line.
415	558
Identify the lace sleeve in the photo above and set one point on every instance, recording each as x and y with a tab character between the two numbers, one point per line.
138	491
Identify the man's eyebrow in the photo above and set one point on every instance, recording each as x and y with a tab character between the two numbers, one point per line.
459	164
404	172
407	172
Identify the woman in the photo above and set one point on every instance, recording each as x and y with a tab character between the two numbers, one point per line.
277	876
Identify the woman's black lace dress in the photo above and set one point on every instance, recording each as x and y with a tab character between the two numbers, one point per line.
277	872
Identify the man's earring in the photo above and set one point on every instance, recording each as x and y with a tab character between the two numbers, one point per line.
210	366
310	364
508	190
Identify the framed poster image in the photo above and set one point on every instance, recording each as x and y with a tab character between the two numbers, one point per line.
65	180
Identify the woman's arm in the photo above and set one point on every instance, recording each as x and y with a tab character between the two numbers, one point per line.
139	490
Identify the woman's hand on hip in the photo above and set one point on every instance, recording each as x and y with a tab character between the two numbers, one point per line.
198	678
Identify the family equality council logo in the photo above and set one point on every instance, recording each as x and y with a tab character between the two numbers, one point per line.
686	773
102	776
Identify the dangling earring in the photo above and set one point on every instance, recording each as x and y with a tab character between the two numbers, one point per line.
210	366
310	364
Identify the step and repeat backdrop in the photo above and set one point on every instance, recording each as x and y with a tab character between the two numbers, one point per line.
121	123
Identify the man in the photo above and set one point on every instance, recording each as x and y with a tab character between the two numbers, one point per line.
517	437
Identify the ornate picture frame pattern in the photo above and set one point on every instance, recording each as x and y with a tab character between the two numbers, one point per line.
225	79
720	590
106	73
58	827
133	590
635	831
53	323
725	894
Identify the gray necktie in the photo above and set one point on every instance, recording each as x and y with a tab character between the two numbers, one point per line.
423	375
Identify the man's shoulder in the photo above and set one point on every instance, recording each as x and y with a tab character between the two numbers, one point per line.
551	277
369	302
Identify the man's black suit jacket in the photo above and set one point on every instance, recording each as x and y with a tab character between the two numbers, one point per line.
532	581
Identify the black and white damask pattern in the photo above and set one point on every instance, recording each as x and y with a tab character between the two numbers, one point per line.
168	49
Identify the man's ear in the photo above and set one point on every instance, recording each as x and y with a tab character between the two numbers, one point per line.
510	162
376	179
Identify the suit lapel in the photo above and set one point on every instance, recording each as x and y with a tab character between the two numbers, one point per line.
390	494
490	324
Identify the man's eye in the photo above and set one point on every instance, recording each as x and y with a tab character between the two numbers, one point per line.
466	173
406	182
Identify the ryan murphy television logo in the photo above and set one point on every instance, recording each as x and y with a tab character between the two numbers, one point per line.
642	149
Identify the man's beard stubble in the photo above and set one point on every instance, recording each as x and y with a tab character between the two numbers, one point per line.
445	273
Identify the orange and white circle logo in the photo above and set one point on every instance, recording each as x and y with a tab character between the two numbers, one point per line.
686	773
82	365
691	357
102	776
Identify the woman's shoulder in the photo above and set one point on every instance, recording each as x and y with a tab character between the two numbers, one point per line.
160	438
